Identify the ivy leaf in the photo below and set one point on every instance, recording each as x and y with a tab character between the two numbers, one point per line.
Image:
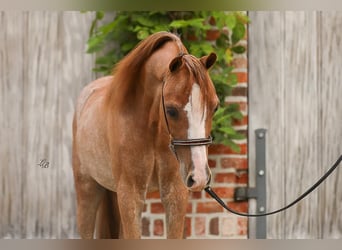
144	21
200	49
239	49
237	115
228	130
102	69
238	32
106	60
99	15
237	136
230	21
142	34
234	146
127	47
196	23
161	27
95	43
228	56
105	29
220	111
222	119
242	17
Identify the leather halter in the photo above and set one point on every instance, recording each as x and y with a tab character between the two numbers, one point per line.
182	142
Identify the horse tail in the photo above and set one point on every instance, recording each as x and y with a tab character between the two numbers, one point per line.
108	217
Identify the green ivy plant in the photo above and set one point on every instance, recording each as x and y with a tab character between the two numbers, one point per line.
112	40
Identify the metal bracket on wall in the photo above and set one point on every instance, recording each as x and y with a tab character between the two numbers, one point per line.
258	192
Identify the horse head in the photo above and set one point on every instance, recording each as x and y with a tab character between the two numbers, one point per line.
189	101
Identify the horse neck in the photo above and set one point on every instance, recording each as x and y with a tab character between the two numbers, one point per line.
140	101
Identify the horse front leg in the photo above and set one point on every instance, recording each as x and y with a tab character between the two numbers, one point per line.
174	196
131	201
89	195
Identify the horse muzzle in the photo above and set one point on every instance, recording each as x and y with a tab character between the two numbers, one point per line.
198	180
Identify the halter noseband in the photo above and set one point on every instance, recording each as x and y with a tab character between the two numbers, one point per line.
189	142
182	142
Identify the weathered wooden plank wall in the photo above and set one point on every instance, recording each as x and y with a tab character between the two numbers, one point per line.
43	66
295	92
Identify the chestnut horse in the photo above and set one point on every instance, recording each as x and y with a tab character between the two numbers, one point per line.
122	130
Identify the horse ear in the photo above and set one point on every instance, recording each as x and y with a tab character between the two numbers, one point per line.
176	63
209	60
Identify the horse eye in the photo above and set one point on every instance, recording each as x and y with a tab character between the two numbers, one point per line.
172	112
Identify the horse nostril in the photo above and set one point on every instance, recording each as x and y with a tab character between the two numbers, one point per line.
190	181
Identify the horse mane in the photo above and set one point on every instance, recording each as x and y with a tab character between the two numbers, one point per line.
126	72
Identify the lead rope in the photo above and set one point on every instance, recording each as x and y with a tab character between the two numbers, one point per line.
325	176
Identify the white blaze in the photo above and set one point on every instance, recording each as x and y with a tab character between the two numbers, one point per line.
196	118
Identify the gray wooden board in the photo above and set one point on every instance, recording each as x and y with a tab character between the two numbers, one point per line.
43	66
295	92
331	121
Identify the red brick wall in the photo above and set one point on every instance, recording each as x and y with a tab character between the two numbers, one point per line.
205	218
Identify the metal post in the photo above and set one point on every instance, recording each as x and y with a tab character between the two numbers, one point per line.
260	162
259	191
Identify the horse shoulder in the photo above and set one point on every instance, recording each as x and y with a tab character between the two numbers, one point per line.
90	134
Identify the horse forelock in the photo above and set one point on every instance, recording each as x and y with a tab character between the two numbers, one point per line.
201	76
